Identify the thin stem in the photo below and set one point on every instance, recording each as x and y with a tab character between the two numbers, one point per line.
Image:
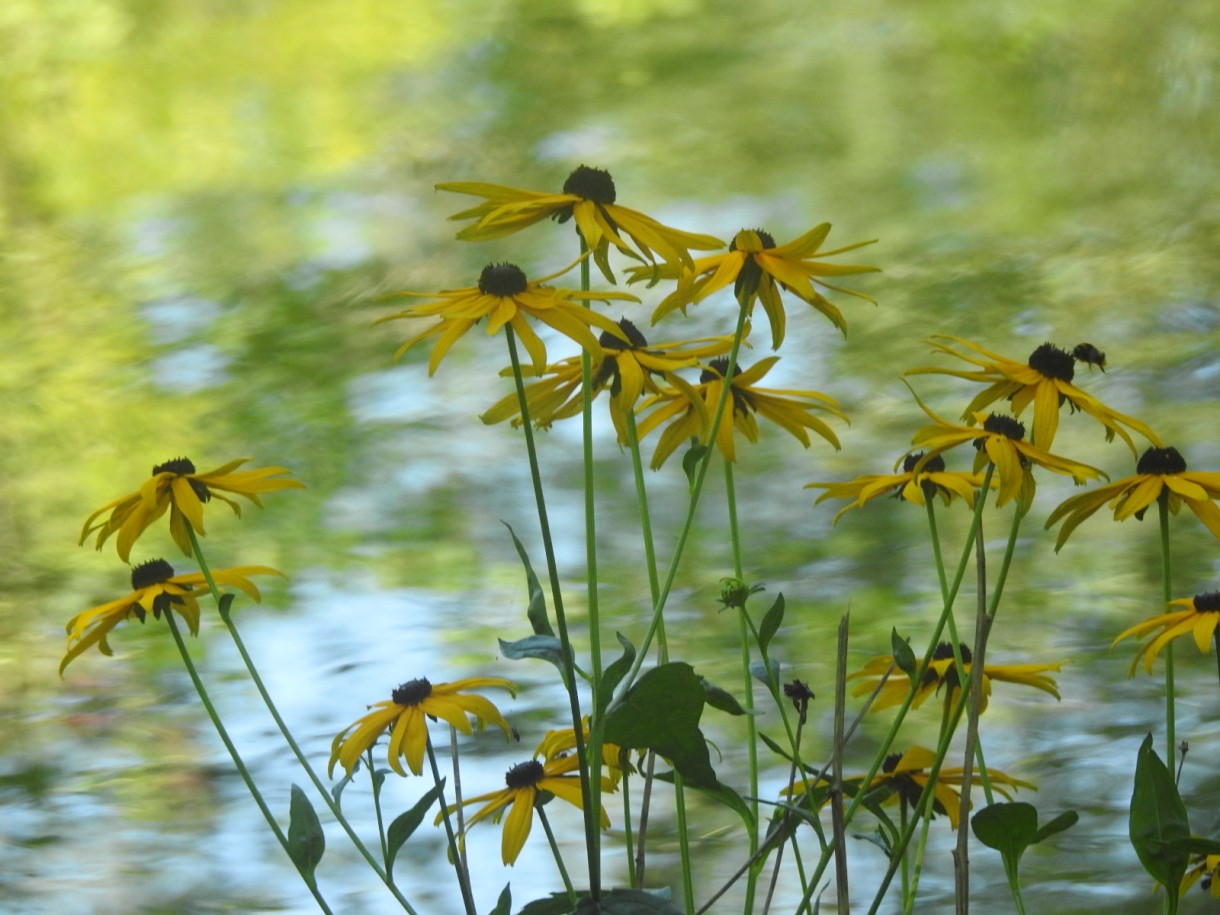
456	765
550	837
376	785
455	856
1162	504
236	757
838	825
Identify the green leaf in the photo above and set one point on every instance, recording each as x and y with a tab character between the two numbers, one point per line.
759	671
537	614
555	904
690	460
406	823
661	712
1058	824
545	647
770	624
1009	829
614	673
337	791
504	905
1158	823
627	902
305	840
225	605
904	657
721	699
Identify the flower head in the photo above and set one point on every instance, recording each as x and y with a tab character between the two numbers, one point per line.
942	670
1045	380
175	485
1001	441
1160	473
1199	617
1208	868
155	589
405	714
561	743
526	785
504	296
588	198
916	486
629	368
758	269
792	410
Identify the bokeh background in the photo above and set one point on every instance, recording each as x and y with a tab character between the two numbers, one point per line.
200	203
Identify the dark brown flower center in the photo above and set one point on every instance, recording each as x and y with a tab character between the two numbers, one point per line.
635	339
935	464
181	466
767	239
502	280
891	762
524	775
151	573
1053	362
413	692
591	184
715	371
1161	461
945	650
1005	426
1208	602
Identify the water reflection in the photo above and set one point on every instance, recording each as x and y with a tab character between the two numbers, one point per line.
200	202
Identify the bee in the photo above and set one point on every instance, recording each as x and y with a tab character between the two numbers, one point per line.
1087	352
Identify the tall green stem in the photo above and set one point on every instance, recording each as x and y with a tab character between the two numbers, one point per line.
1162	504
455	855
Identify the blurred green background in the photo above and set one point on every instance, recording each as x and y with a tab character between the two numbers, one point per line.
200	203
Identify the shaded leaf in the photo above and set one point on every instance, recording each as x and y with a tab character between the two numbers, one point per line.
539	620
690	460
225	605
627	902
504	905
615	672
1058	824
545	647
771	623
759	672
406	823
1009	829
721	699
306	843
1158	823
904	657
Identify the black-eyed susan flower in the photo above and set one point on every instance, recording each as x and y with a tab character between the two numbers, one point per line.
1000	440
405	714
942	670
155	589
526	785
588	199
1204	870
1199	617
175	485
792	410
629	368
930	481
1159	473
1045	380
505	296
758	269
561	742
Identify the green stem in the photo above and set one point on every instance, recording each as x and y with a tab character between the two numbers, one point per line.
376	785
226	616
592	838
1162	504
455	855
237	760
550	837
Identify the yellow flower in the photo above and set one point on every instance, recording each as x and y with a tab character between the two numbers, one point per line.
629	368
1045	380
1207	867
155	589
792	410
1000	440
1160	473
928	482
407	711
524	783
588	198
1200	618
943	670
559	743
503	296
758	269
175	485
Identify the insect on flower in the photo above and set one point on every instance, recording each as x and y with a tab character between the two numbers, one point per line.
1090	355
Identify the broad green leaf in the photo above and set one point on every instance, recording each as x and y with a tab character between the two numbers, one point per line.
904	657
504	905
758	670
1158	823
537	614
721	699
1009	829
771	623
555	904
406	823
545	647
305	840
615	672
627	902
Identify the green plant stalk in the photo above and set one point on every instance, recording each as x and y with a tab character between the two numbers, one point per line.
1162	505
793	769
236	757
592	839
839	826
888	740
226	617
375	782
687	523
654	590
550	837
910	883
743	630
327	798
460	811
628	836
455	855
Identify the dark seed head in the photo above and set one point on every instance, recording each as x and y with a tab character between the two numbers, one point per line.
524	775
1053	362
1208	602
768	241
150	573
635	339
1161	461
935	464
502	280
891	762
945	650
413	692
181	466
1006	426
591	184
